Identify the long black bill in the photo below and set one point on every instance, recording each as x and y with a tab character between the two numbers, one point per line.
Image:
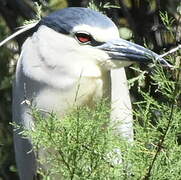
121	49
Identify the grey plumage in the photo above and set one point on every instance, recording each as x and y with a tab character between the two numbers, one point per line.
65	20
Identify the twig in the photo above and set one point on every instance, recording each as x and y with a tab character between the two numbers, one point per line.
171	51
170	118
22	30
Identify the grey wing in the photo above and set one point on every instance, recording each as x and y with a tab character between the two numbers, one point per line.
25	157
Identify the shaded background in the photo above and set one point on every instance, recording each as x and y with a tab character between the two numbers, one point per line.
138	20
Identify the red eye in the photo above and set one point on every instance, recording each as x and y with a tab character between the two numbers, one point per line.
83	38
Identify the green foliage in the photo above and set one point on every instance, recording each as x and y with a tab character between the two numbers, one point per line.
58	4
38	10
79	146
82	145
168	22
158	128
101	7
140	79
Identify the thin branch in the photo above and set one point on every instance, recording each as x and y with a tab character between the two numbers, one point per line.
171	51
22	30
170	118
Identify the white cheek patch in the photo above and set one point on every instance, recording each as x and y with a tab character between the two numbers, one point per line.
99	34
114	64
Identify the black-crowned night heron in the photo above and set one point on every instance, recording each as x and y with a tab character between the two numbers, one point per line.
73	47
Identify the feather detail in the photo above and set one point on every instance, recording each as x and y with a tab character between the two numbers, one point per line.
22	30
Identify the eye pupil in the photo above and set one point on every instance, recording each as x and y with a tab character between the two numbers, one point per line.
83	38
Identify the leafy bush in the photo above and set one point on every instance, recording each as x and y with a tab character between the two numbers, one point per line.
82	145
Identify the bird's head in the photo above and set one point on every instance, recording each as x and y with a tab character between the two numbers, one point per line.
96	35
80	39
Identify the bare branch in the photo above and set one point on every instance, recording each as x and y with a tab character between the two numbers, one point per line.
171	51
22	30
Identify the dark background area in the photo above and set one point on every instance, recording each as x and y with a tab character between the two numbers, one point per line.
141	18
